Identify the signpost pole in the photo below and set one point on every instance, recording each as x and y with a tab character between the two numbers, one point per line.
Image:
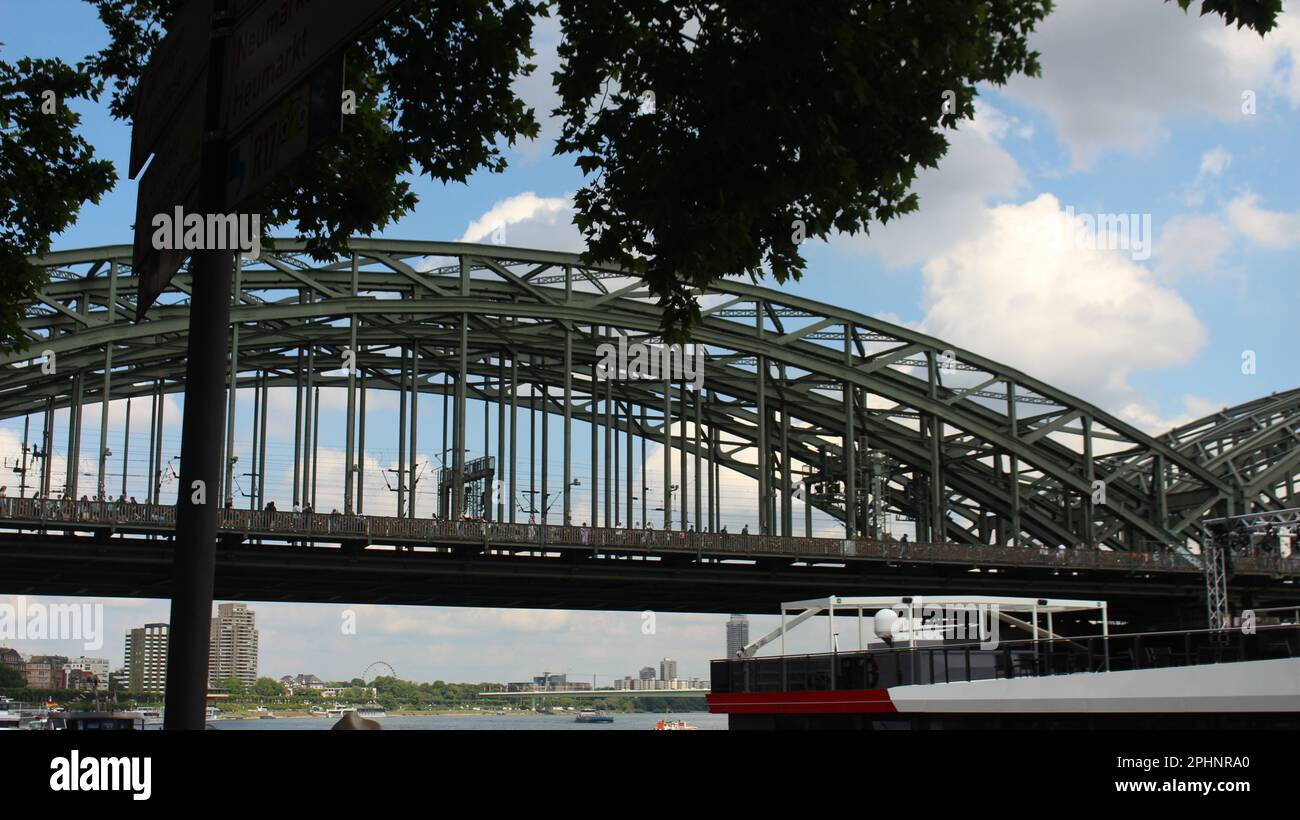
205	376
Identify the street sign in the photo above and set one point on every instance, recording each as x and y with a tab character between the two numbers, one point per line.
277	45
174	69
301	121
171	180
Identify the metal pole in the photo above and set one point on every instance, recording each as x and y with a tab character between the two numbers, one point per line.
297	421
700	526
514	430
668	452
545	419
415	419
22	477
568	420
401	440
228	457
126	447
361	450
850	448
501	435
157	454
682	454
630	458
610	505
350	440
595	441
254	475
196	510
108	383
645	518
261	440
309	440
315	445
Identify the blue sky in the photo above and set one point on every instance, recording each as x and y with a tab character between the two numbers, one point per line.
1141	109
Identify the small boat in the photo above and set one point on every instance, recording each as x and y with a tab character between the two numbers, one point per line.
674	726
153	717
213	713
10	716
593	716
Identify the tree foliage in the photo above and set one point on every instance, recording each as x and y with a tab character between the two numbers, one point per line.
47	172
715	135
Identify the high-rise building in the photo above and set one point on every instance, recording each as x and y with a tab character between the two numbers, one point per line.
232	648
737	634
146	658
667	669
647	673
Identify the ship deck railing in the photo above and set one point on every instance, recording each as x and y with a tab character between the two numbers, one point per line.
883	666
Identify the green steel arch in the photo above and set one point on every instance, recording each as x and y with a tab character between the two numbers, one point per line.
860	417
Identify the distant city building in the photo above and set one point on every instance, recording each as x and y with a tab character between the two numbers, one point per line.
119	680
45	672
667	669
146	658
11	658
551	681
737	634
232	648
647	673
95	667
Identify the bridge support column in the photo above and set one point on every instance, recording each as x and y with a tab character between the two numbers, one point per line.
401	438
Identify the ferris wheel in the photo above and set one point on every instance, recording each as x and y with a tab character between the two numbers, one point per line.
378	669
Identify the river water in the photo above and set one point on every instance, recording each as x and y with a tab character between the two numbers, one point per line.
510	721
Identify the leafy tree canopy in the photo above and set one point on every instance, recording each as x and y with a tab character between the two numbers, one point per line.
715	135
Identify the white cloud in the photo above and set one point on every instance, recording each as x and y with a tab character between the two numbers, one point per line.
1080	319
1192	244
1272	229
1215	161
528	221
975	171
1113	71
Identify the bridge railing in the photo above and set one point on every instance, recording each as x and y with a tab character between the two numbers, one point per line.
45	514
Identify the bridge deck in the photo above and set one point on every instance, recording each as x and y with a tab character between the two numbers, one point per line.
92	548
411	533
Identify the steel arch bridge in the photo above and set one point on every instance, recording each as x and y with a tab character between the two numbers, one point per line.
861	418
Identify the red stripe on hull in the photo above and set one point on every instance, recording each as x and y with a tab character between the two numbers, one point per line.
802	703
